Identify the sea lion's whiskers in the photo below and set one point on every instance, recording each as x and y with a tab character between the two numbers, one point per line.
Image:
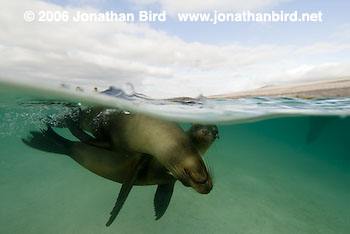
210	167
181	174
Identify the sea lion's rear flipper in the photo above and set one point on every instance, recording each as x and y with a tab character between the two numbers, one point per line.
125	190
79	133
162	198
48	140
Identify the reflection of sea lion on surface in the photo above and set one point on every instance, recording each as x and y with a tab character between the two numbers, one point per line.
120	163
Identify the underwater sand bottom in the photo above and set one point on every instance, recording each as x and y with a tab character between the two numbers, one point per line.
269	188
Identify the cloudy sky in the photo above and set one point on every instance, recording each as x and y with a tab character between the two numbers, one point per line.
174	58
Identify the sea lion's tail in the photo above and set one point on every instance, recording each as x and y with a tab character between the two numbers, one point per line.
48	140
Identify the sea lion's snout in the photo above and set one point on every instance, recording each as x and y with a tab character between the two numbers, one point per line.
197	176
215	132
201	183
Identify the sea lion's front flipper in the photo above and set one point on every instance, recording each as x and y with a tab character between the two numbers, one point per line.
162	198
79	133
126	188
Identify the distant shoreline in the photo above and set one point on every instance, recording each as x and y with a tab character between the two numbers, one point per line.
311	90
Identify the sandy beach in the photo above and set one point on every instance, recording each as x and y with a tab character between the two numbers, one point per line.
320	89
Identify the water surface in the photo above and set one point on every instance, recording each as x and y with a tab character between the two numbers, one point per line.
288	174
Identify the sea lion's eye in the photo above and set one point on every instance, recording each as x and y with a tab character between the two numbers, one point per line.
206	131
216	132
196	126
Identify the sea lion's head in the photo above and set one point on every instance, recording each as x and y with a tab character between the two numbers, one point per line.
188	165
211	131
182	156
196	175
203	134
191	170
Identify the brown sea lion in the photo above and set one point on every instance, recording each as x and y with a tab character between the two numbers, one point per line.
119	162
164	140
151	171
129	168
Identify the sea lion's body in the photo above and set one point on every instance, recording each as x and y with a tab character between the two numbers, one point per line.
164	140
134	132
134	149
116	165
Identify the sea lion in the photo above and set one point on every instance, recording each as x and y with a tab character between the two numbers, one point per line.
164	140
129	168
84	153
201	135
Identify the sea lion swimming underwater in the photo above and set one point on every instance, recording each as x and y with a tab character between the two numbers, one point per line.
164	140
120	165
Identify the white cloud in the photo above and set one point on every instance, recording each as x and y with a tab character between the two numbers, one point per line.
323	47
343	33
103	54
210	5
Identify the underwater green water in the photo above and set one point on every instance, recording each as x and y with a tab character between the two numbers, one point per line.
284	175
